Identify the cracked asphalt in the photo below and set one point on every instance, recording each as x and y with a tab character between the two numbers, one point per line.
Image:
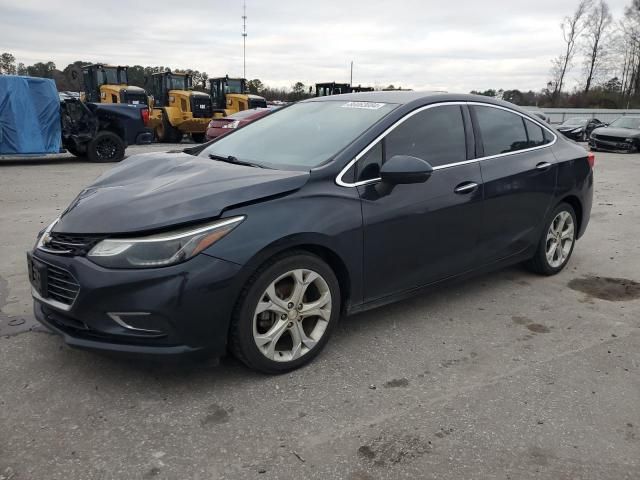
504	376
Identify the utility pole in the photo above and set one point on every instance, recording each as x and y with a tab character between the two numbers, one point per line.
351	81
244	39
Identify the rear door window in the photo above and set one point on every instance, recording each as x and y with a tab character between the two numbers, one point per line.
501	131
535	134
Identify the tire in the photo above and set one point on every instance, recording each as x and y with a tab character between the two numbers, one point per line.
167	133
557	227
280	338
77	152
198	137
105	147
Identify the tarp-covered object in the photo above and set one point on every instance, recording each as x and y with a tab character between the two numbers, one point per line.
29	115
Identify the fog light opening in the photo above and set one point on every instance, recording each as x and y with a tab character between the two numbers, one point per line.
118	318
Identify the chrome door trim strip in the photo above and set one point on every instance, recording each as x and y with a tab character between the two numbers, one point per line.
339	181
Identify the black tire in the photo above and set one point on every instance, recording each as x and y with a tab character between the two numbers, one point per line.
241	336
105	147
198	137
168	133
77	152
539	263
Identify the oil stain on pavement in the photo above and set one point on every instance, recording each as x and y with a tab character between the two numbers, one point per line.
605	288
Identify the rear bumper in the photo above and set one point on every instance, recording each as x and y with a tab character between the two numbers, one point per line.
165	311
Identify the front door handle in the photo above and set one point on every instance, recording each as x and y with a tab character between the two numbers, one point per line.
543	166
466	187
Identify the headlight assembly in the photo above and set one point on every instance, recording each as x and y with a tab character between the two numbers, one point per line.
43	235
162	249
576	130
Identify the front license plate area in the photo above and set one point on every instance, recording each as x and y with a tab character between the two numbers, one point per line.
37	274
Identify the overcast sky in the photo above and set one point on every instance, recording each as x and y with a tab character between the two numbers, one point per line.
457	46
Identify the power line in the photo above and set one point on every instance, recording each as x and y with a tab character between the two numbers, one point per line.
244	39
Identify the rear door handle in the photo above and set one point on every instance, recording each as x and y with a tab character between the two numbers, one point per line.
466	187
543	166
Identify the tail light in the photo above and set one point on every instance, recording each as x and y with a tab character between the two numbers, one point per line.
591	158
144	113
233	124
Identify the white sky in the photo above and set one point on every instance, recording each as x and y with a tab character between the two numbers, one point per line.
456	46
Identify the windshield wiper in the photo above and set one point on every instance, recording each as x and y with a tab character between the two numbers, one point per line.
234	160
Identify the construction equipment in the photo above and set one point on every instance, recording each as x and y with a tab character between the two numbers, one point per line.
333	88
110	84
229	95
177	109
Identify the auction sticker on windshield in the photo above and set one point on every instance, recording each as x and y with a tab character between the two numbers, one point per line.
365	105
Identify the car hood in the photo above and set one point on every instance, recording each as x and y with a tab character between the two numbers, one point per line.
156	190
617	132
568	128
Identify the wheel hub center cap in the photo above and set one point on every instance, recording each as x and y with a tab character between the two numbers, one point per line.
292	314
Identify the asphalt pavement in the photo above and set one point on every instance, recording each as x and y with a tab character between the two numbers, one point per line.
505	376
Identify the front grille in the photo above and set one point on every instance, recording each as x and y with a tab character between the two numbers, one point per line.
608	138
201	107
60	285
70	244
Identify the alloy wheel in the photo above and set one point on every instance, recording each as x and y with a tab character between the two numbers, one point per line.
292	315
560	238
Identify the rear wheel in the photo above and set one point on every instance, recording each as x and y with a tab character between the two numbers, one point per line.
105	147
557	242
286	313
198	137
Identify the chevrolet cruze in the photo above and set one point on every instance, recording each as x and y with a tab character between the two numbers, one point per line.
260	241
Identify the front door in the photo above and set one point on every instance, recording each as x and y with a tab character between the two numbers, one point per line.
419	233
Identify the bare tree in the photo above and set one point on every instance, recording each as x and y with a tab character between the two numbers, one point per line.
597	28
572	27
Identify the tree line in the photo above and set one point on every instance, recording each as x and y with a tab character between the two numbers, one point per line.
602	51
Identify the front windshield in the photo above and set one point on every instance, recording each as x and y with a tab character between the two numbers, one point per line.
576	121
301	136
110	76
177	82
234	86
626	122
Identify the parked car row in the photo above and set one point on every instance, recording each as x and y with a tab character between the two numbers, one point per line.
623	134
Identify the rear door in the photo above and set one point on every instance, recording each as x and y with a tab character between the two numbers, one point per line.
519	172
419	233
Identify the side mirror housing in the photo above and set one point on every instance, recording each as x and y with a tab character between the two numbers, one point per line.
404	169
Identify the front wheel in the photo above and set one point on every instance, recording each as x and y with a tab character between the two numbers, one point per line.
557	242
105	147
286	313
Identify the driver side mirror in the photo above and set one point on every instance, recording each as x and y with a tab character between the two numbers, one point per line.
404	169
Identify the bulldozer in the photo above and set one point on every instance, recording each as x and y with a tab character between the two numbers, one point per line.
230	95
109	84
177	108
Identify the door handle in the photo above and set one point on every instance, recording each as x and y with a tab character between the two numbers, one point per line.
466	187
543	166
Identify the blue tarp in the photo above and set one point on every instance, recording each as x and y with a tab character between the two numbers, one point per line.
29	115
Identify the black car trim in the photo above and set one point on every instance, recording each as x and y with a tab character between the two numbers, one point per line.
339	181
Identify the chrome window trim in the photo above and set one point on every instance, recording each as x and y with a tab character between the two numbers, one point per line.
339	181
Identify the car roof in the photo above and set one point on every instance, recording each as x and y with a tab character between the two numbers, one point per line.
412	97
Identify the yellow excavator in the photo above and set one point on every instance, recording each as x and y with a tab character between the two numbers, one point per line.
177	109
110	84
229	95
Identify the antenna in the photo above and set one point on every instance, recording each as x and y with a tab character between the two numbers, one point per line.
244	39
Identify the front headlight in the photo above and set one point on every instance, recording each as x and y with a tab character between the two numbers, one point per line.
43	235
162	249
576	130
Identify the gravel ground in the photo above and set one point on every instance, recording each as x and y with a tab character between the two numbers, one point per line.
505	376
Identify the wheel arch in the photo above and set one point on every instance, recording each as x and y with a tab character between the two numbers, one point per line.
313	244
577	208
